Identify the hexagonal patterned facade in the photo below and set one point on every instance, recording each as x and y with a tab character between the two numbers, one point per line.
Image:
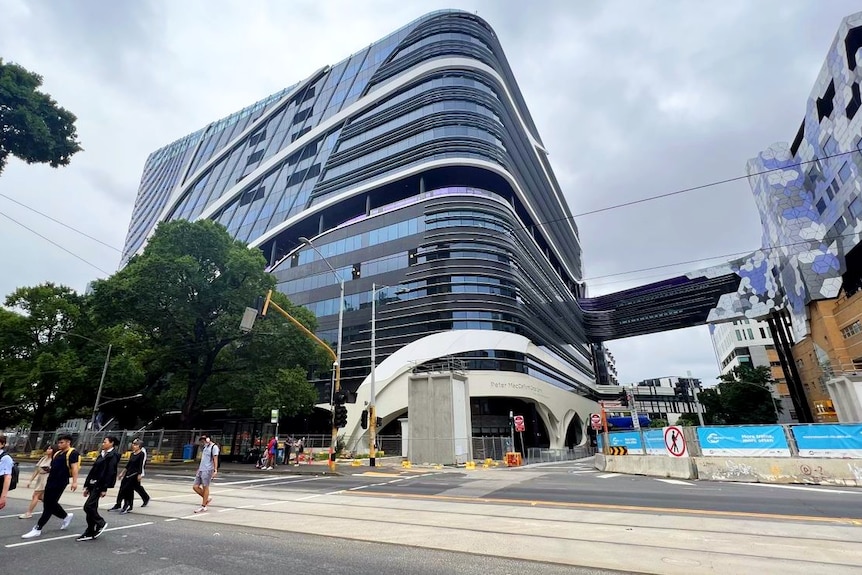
808	195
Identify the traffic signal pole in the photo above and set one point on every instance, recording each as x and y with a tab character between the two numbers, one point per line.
336	367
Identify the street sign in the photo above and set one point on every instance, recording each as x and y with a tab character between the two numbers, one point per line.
674	441
596	421
273	418
519	423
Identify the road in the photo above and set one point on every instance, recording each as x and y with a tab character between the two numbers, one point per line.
559	518
572	484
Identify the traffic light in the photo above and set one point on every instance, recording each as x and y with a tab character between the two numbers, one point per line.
624	398
339	415
340	419
364	419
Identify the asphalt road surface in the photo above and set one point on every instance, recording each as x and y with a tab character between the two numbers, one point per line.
145	545
569	483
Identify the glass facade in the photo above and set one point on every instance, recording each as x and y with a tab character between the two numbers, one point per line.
413	164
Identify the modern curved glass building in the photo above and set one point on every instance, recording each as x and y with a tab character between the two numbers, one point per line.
412	164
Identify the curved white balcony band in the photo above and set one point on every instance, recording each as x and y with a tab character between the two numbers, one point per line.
394	176
381	92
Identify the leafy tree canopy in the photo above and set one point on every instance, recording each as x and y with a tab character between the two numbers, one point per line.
183	297
744	396
32	126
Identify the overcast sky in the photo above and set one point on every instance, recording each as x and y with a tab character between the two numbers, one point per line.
631	98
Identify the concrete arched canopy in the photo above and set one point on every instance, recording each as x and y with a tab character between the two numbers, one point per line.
556	407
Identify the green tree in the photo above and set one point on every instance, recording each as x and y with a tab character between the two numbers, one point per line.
32	126
688	419
658	423
184	297
37	362
742	397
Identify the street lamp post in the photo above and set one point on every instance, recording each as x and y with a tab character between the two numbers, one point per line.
101	380
372	407
337	386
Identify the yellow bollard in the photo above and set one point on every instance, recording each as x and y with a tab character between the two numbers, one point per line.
470	465
405	464
356	463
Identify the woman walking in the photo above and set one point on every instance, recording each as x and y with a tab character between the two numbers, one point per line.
40	475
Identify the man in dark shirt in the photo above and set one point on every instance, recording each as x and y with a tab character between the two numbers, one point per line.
131	479
64	465
102	476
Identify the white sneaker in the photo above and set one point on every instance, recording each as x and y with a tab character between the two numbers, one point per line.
201	509
35	532
67	521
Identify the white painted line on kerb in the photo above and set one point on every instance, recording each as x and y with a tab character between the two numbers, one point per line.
675	482
608	475
811	489
35	541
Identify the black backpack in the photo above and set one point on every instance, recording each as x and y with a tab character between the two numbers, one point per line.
14	483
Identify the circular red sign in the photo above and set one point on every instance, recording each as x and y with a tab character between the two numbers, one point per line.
674	441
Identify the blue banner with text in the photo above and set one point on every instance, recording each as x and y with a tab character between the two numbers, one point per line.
744	440
828	440
631	440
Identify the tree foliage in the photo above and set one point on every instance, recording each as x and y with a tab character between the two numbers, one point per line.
744	396
32	126
183	297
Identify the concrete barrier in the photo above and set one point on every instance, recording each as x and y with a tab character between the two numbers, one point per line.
651	465
811	471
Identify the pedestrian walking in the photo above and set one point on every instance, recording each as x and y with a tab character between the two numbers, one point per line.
40	476
207	471
130	480
102	476
64	466
271	451
6	464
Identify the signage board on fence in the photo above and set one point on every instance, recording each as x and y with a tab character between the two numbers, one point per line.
744	440
828	440
631	440
654	442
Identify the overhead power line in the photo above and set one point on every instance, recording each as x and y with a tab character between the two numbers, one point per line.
694	188
65	225
50	241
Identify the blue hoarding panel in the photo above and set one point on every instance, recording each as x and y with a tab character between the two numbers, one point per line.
628	439
744	440
654	440
829	440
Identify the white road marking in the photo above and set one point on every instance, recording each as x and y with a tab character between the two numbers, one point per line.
584	471
810	489
35	541
287	482
675	481
226	510
280	478
358	488
247	506
339	492
608	475
38	513
396	480
172	519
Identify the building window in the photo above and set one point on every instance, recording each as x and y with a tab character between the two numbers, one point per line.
852	329
254	158
255	139
763	333
856	208
302	115
750	335
738	337
844	172
252	195
821	204
299	134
